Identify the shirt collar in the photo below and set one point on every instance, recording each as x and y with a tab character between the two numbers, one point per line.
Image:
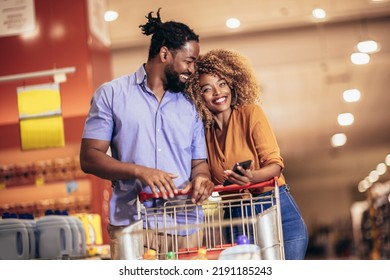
141	75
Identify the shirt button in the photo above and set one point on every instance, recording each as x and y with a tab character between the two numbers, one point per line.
159	149
158	130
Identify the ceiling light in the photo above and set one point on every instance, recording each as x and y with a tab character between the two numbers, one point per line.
373	176
351	95
363	185
233	23
110	16
345	119
387	160
368	46
381	168
319	13
338	140
360	58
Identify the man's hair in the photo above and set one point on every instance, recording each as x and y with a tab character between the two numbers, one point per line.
173	35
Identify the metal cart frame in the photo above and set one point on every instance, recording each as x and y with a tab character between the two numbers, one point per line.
261	219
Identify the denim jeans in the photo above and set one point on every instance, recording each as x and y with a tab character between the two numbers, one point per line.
294	229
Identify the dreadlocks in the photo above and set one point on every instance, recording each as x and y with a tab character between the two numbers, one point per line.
171	34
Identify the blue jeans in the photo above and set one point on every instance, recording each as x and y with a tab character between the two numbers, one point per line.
294	229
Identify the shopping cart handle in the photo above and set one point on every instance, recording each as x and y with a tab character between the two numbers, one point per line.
229	188
218	188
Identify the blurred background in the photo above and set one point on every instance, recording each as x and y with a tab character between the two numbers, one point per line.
326	96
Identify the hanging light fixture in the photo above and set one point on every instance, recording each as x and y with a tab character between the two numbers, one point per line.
366	44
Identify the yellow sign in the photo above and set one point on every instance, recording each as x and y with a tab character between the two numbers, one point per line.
41	123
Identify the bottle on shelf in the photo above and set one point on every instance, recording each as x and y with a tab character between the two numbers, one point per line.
150	255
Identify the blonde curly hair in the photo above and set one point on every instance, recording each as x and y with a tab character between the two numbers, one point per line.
235	69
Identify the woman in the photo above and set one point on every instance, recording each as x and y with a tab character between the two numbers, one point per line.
225	91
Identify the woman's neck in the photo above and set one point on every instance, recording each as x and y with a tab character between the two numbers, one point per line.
222	119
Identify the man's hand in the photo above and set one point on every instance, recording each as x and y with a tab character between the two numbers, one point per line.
158	180
201	188
201	185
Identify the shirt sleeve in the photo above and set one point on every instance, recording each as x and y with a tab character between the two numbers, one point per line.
199	150
264	139
99	124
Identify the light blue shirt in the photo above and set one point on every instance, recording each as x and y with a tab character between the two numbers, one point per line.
166	136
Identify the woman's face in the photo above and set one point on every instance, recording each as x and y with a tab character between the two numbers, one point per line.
215	93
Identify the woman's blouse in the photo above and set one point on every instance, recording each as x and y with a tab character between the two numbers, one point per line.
249	136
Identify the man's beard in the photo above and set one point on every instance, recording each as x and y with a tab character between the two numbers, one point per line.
173	81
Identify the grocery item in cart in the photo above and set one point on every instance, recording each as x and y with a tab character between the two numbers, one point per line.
242	251
211	206
135	239
170	255
150	255
202	254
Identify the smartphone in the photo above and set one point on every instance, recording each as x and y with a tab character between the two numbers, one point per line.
244	164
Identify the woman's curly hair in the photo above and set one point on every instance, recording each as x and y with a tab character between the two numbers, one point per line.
235	69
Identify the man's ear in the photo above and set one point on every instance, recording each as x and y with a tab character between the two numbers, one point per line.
164	54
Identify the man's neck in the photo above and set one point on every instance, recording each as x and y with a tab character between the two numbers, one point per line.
154	79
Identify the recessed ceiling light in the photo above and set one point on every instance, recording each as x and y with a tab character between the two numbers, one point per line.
233	23
360	58
381	168
345	119
319	13
368	46
387	160
110	16
351	95
373	176
338	140
363	185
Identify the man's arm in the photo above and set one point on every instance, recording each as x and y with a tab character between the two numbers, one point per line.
201	185
94	160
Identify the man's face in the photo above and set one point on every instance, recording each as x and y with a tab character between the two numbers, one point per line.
182	66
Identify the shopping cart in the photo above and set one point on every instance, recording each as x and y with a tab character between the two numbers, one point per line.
159	228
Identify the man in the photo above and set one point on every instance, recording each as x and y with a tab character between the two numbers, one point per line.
156	137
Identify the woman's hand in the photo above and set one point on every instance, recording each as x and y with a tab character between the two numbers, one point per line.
246	178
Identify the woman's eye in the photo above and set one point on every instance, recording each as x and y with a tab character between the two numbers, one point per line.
206	90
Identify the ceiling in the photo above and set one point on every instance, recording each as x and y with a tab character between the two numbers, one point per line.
303	67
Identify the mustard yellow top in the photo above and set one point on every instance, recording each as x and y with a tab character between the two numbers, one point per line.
249	136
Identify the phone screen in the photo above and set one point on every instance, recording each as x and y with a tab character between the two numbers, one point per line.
244	164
